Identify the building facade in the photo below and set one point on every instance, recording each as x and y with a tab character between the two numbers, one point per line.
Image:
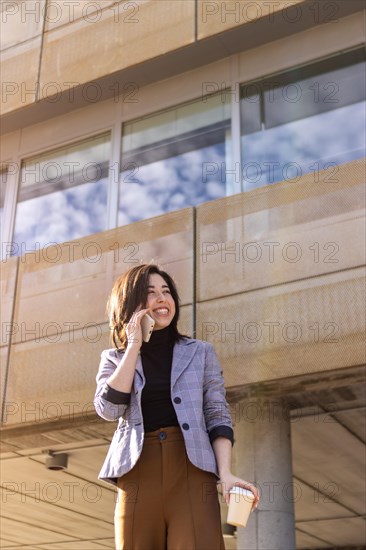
226	142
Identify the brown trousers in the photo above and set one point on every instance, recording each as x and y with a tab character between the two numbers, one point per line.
165	502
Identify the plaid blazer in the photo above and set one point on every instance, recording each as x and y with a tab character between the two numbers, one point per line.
196	378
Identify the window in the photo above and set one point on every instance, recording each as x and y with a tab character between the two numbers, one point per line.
63	194
174	159
305	120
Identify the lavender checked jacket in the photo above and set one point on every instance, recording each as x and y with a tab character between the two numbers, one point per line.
201	409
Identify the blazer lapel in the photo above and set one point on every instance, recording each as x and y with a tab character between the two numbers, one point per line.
183	353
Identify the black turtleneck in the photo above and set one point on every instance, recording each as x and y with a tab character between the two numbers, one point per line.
156	356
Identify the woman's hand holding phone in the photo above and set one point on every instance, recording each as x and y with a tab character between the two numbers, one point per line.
135	329
122	377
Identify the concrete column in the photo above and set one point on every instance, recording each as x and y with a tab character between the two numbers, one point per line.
263	457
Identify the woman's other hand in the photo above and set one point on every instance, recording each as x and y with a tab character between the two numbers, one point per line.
229	481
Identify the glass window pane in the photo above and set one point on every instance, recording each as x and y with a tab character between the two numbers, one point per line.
250	111
63	194
316	95
175	159
306	124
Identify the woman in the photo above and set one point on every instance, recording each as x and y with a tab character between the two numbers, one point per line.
174	436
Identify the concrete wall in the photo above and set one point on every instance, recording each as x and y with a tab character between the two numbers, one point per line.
55	328
50	48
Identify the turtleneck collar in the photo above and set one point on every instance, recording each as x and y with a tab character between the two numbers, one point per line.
158	339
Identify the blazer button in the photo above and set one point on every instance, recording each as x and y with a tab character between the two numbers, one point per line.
185	426
177	400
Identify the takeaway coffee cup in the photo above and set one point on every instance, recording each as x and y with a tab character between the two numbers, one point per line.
240	505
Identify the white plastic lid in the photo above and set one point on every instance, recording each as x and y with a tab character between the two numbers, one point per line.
242	491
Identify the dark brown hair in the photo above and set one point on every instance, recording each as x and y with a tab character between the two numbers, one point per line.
129	292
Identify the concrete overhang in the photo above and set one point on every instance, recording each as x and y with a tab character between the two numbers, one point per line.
204	51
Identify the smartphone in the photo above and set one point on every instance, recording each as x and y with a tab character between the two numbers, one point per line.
147	325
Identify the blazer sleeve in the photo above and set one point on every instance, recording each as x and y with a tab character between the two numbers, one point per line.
109	403
215	407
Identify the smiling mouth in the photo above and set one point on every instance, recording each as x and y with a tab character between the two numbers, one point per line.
162	311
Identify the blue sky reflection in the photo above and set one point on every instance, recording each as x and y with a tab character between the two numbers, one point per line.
336	136
172	184
62	216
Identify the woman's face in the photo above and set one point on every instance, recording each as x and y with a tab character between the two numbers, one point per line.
160	301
